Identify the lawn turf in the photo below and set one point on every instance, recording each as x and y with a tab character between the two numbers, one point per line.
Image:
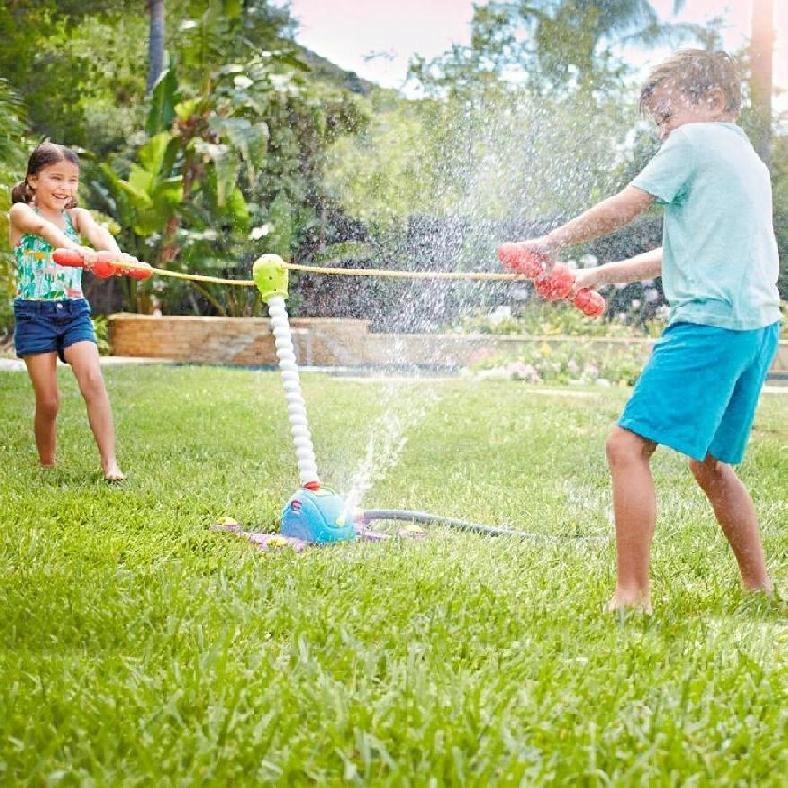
137	646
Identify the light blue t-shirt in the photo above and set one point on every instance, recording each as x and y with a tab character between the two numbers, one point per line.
720	261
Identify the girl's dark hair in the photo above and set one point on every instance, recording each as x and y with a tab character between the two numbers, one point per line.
46	154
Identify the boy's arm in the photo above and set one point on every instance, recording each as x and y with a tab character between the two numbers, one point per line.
602	219
635	269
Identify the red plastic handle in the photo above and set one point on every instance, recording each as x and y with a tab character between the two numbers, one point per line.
555	286
521	259
589	302
104	267
68	257
140	274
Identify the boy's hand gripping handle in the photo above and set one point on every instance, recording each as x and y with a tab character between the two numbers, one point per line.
557	285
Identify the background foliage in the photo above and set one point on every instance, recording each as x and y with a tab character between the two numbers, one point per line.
250	143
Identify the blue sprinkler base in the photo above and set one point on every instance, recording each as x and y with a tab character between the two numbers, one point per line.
317	516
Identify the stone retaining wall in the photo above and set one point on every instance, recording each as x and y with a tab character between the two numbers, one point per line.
230	340
323	342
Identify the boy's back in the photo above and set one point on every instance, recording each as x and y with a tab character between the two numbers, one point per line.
720	260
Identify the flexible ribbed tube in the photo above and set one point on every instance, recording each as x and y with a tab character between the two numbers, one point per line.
296	408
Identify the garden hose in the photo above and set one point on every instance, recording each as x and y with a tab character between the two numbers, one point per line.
424	518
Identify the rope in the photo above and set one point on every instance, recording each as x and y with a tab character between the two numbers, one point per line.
474	275
214	280
480	276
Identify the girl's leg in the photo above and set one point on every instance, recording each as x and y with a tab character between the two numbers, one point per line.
735	512
42	369
635	510
84	360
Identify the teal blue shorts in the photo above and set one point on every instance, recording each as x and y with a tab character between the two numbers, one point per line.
699	391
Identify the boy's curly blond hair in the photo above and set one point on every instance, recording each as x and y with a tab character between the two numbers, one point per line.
695	72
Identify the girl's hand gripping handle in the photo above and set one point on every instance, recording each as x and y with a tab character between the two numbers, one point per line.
104	265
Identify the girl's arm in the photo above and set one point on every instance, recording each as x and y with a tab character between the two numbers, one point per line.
99	237
23	220
635	269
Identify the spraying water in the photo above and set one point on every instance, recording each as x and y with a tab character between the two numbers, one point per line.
386	443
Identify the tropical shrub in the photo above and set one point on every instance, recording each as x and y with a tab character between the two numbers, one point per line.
12	167
571	362
541	318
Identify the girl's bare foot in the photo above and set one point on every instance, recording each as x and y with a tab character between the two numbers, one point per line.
113	473
47	466
637	601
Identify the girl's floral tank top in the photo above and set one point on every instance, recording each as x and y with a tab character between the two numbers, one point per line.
38	275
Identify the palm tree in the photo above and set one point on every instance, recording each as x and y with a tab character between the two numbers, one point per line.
555	42
155	9
12	128
578	32
761	56
12	168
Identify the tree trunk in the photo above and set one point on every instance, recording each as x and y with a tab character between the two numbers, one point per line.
761	56
155	43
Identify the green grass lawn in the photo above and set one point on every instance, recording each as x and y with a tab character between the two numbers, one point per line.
137	646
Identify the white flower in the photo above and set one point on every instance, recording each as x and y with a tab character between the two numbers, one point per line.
499	315
496	373
258	232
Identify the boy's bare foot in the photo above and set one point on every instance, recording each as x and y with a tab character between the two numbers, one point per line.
764	587
113	473
47	466
629	600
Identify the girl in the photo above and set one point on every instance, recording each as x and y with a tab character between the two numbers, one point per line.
52	316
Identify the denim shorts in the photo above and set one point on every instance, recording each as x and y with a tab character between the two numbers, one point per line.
51	326
699	391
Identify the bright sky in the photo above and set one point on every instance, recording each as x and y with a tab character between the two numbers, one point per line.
377	39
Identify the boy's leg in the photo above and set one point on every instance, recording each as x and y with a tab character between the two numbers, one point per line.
635	510
735	512
84	360
732	504
42	369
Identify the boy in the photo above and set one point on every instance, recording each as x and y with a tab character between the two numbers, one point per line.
719	266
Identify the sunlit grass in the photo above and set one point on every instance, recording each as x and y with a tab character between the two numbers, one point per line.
139	646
